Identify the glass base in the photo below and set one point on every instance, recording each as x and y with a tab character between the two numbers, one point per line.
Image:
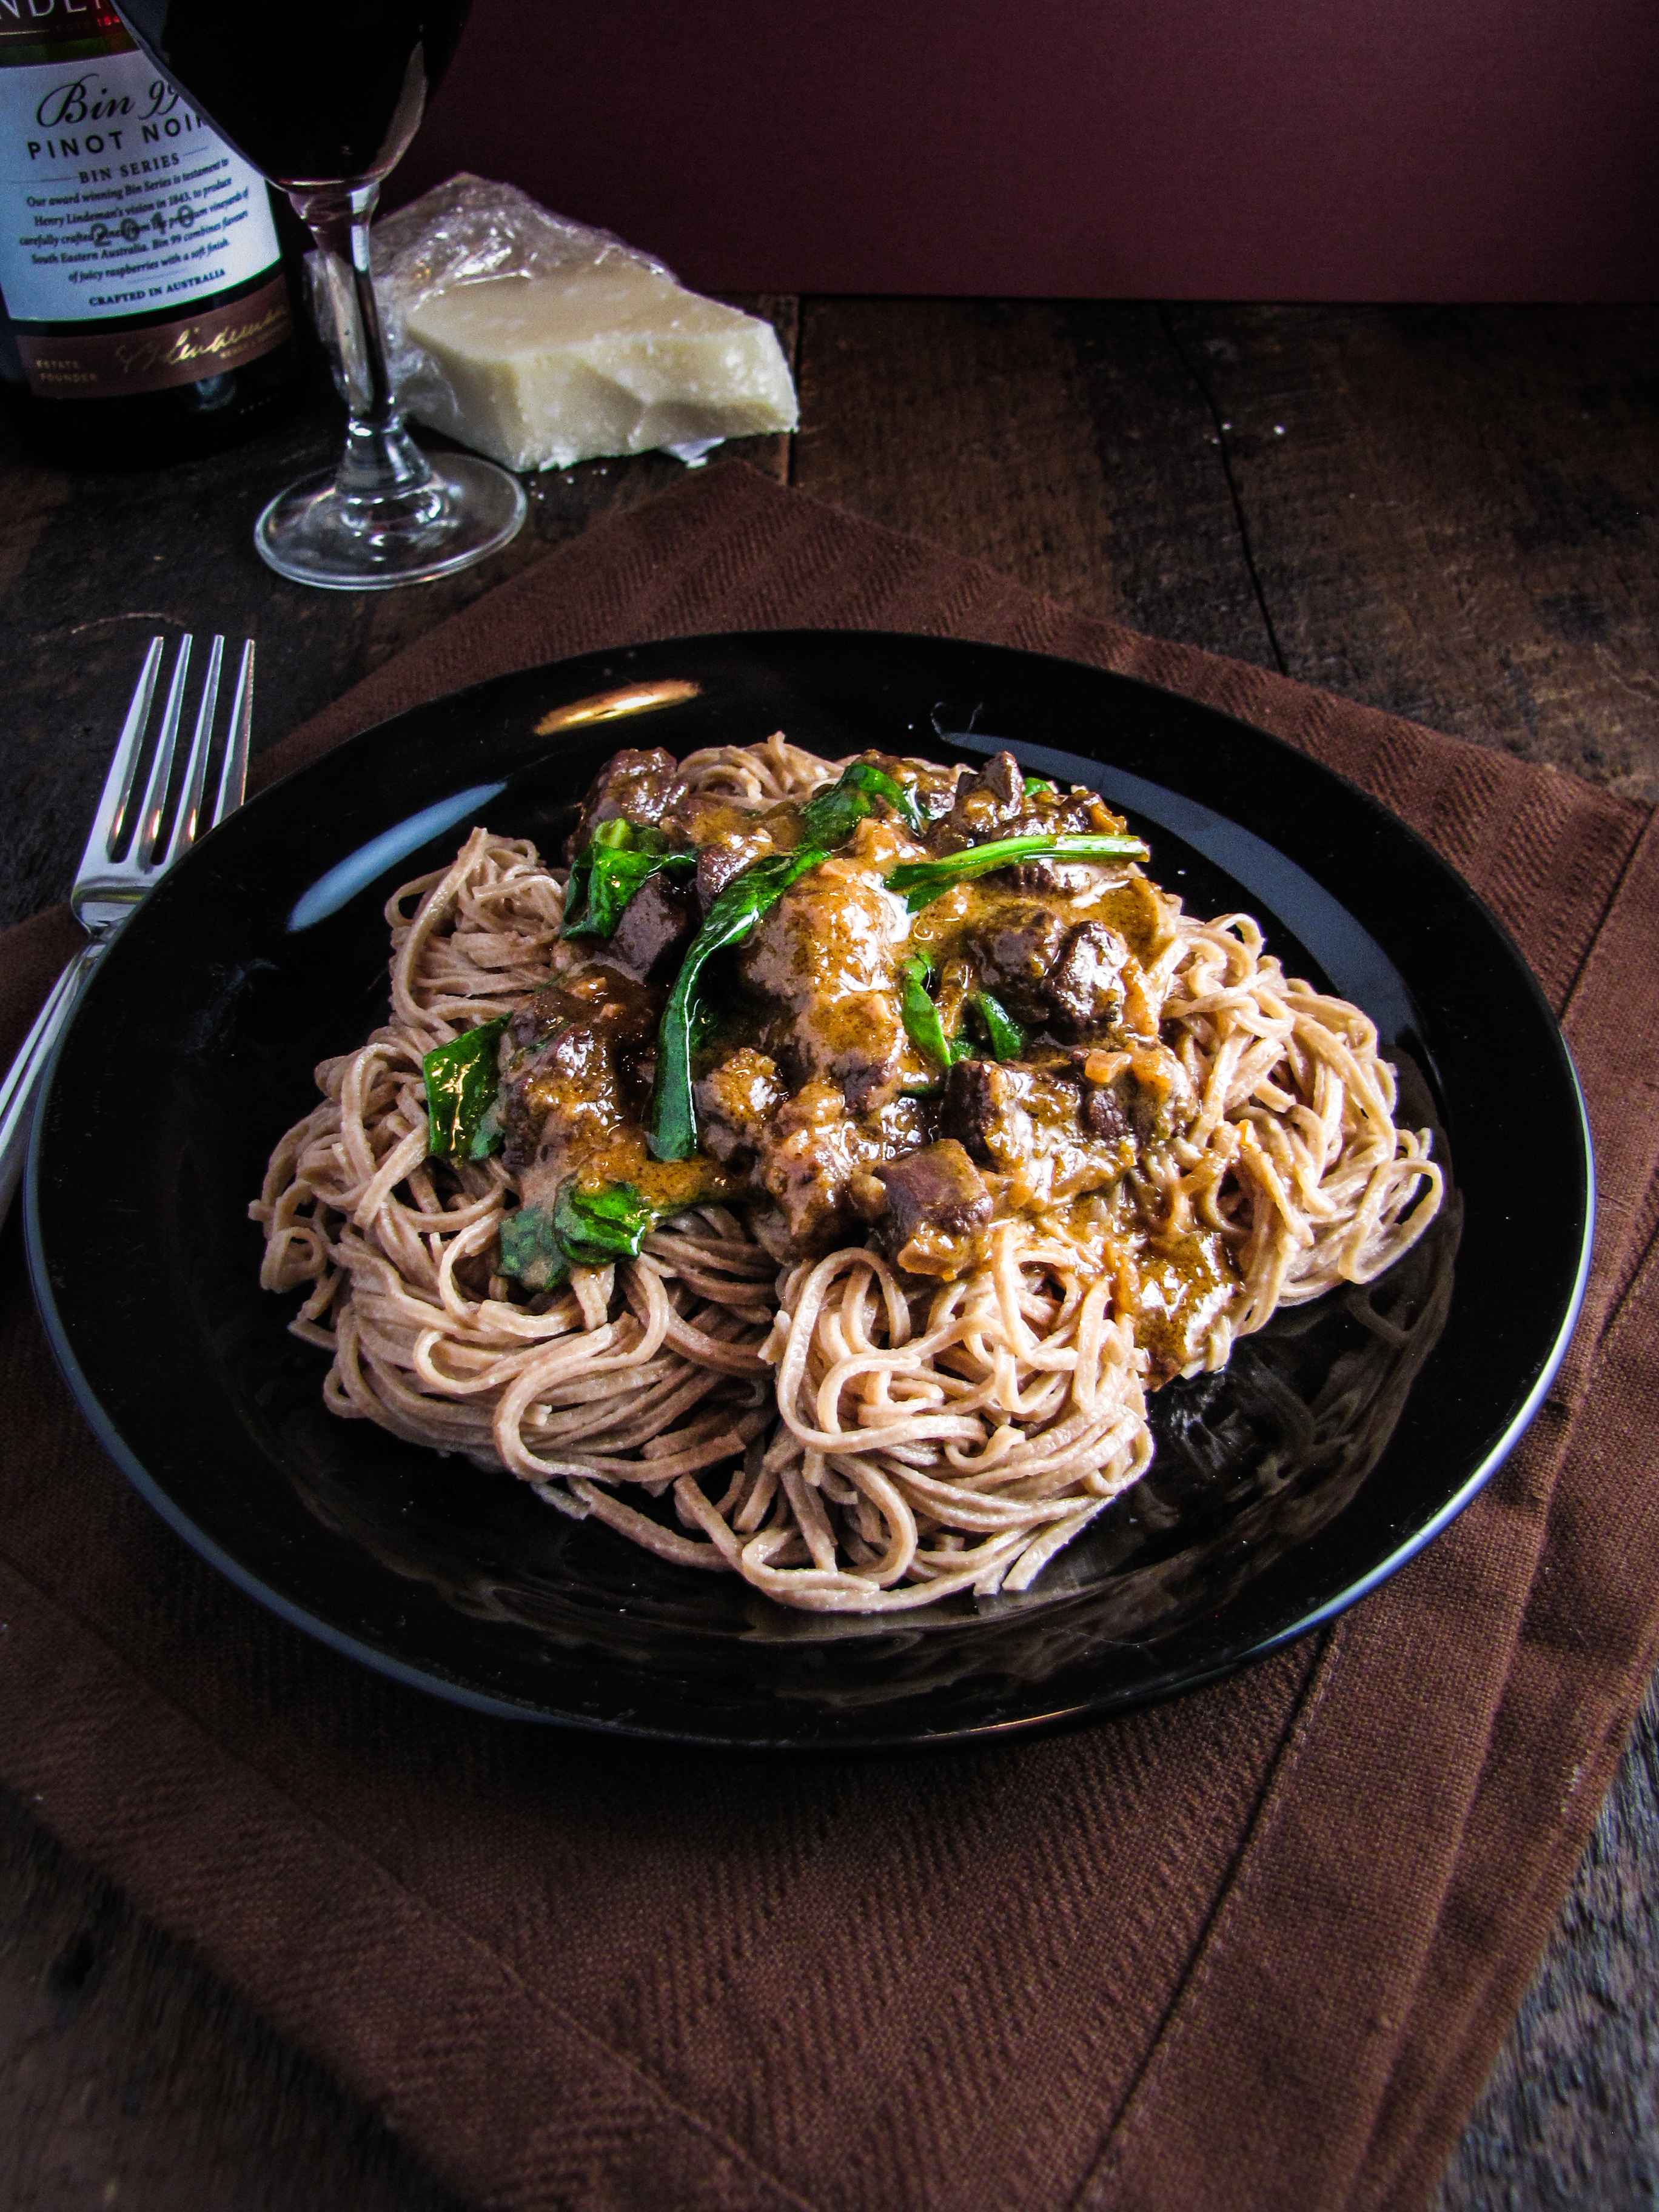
313	534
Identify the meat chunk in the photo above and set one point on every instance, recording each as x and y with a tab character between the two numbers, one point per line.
655	928
727	857
1028	1124
811	1155
1084	987
970	1107
737	1102
614	1004
984	806
574	1080
824	962
938	1188
1105	1113
997	803
934	788
1000	777
1016	944
1047	874
1133	1097
633	786
725	836
1049	972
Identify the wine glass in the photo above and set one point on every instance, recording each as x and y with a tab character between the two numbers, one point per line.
323	96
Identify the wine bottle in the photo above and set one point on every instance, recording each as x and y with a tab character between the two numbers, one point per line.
145	311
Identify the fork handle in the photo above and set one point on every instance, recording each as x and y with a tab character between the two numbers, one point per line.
25	1077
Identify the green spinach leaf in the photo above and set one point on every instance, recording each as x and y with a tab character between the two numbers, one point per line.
830	817
594	1227
610	869
461	1083
1008	1039
923	881
922	1022
530	1250
735	911
582	1228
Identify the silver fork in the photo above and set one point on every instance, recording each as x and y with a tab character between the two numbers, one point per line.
125	855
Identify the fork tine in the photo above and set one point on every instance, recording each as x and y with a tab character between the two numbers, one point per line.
232	777
155	791
109	820
201	744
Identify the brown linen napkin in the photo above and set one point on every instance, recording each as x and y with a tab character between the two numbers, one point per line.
1253	1949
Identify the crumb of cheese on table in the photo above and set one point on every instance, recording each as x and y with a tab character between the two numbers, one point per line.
542	371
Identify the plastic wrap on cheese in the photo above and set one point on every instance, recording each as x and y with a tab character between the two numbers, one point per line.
542	342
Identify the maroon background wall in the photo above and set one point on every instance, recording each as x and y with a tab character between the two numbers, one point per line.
1204	148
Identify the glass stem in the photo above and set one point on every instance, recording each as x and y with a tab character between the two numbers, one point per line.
384	479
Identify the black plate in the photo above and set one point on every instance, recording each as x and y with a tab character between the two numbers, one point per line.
1282	1492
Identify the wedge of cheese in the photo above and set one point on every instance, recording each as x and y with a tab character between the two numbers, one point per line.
538	372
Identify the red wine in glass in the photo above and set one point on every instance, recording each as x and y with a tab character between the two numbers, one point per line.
323	96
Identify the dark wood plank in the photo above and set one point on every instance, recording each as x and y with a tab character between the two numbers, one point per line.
1063	446
1454	513
1569	2118
1450	513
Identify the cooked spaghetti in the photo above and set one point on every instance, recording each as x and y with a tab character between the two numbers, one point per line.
810	1180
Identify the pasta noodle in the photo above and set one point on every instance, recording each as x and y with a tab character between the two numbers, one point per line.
843	1437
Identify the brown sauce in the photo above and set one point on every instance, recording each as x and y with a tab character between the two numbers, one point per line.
819	1111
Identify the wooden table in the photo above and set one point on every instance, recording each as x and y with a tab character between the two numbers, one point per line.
1450	513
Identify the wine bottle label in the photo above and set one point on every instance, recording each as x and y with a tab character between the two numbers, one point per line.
89	363
118	201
